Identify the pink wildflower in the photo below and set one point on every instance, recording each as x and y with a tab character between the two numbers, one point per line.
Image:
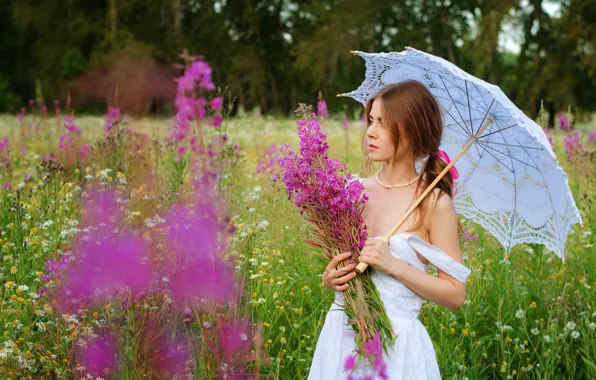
216	103
564	123
193	240
4	144
549	136
322	110
85	152
217	120
98	356
70	125
111	118
345	124
573	146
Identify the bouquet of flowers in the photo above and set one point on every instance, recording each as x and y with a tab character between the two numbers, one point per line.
332	205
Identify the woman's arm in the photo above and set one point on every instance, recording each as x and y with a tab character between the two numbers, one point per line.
444	289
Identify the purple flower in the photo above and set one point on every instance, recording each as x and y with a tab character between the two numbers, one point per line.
105	265
4	144
85	152
350	363
105	261
99	355
114	113
111	118
217	120
267	164
70	125
345	124
199	271
216	103
7	185
322	108
564	123
64	142
468	235
592	137
55	267
172	355
188	107
374	347
549	136
573	146
235	338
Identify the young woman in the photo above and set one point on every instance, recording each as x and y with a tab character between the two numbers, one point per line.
405	126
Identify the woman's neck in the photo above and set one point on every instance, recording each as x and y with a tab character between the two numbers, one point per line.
398	172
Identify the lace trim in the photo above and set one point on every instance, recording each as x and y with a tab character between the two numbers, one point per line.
439	258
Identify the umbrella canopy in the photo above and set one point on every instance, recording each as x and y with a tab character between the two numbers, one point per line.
510	182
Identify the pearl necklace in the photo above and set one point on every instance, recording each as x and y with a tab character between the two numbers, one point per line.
399	185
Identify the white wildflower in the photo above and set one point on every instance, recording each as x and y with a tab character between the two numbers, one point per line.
570	325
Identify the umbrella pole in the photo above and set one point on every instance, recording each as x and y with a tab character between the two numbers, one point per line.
361	267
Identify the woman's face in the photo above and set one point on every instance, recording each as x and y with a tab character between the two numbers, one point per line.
381	146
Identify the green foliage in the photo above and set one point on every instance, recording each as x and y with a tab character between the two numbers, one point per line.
273	54
73	63
8	100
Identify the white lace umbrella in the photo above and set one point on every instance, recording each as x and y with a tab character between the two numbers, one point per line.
510	181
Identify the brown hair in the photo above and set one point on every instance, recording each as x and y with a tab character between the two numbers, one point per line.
410	104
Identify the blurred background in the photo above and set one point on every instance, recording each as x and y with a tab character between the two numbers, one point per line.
272	54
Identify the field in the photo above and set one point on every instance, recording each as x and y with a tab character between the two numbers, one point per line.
531	316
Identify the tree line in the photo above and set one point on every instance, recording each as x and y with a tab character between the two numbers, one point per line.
272	54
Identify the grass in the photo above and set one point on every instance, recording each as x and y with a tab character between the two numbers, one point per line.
531	316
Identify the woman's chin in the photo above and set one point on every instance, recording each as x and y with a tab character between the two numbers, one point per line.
373	157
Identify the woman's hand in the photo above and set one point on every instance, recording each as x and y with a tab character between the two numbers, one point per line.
376	253
337	278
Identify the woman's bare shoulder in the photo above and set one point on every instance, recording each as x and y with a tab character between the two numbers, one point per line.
367	182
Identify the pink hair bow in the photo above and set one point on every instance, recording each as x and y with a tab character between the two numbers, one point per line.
445	157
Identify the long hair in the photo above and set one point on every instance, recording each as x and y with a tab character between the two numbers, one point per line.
411	105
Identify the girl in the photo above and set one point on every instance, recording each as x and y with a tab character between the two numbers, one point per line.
405	127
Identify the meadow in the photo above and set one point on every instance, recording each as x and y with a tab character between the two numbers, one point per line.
530	316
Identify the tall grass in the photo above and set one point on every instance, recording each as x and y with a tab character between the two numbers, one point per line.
530	316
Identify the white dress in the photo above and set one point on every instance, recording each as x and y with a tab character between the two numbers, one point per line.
413	355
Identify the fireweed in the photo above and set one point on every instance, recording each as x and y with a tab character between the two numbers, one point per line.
322	110
564	123
573	146
71	152
332	205
268	163
192	110
592	137
112	263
